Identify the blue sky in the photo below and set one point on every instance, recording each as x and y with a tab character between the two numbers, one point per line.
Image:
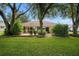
56	19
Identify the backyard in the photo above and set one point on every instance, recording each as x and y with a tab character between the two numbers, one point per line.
28	46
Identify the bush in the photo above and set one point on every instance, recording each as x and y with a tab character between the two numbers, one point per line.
35	31
24	29
41	32
6	31
60	30
47	30
31	30
16	30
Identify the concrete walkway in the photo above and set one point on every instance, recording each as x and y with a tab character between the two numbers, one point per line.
48	35
27	34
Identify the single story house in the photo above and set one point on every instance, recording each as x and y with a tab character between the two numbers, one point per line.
36	25
2	26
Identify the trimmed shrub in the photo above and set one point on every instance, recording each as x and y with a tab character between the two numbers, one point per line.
17	28
35	31
24	29
41	32
6	31
60	30
47	30
31	30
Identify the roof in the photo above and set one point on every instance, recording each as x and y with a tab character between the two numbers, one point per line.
36	23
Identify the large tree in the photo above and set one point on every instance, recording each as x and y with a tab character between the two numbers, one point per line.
41	11
15	8
71	11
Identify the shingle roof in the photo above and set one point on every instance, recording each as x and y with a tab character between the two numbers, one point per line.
36	23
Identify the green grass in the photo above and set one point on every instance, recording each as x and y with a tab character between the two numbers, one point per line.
39	46
1	33
72	32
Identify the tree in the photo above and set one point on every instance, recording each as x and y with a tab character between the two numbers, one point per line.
14	16
77	21
23	18
40	10
71	11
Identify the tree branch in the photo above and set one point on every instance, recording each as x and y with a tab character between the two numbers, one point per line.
72	14
13	14
10	6
19	7
77	14
4	18
46	10
24	12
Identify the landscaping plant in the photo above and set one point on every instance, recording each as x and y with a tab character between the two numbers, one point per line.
60	30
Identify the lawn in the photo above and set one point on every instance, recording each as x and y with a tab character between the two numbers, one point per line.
1	33
29	46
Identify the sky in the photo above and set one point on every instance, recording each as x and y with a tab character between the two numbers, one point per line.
56	19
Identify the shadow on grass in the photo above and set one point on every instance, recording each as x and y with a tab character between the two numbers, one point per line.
10	36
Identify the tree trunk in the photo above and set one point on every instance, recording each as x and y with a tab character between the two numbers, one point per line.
4	18
5	22
75	24
13	18
75	27
41	24
8	30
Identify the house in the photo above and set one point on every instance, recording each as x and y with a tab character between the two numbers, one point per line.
2	26
36	25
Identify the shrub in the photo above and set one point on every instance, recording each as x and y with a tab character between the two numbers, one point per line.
41	32
31	30
6	31
35	31
60	30
24	29
47	30
17	28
